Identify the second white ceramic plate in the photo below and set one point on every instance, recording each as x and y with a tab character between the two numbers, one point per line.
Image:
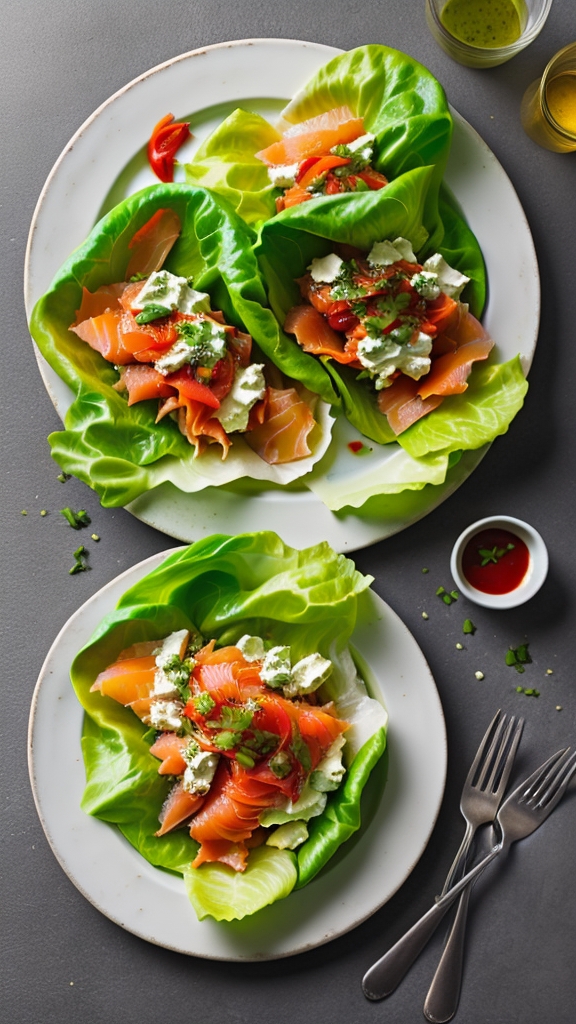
152	903
105	161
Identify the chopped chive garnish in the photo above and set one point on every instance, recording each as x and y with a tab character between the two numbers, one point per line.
245	759
95	536
448	598
63	477
425	570
43	512
80	564
76	519
479	675
468	626
459	647
23	512
424	615
440	591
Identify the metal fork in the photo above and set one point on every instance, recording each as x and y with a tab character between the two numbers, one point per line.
520	815
485	784
483	790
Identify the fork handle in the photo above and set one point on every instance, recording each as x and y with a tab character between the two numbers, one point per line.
444	992
457	868
383	977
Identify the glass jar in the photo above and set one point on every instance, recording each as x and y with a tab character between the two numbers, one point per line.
548	110
529	16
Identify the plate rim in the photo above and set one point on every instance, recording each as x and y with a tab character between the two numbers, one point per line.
55	842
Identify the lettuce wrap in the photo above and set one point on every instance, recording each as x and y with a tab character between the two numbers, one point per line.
225	587
118	450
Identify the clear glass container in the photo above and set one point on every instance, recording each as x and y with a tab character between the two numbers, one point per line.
548	111
531	16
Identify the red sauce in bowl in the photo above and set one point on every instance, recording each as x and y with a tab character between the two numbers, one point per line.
495	561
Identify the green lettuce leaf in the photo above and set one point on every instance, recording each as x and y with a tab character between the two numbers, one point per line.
493	397
224	587
119	451
226	162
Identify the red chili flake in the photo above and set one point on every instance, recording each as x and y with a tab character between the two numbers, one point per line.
358	448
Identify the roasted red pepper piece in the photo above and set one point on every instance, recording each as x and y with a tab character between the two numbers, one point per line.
165	141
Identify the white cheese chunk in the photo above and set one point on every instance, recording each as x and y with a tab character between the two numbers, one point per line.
277	667
326	269
248	388
384	355
173	645
426	284
283	175
252	647
307	675
383	254
165	289
329	771
200	769
166	715
451	281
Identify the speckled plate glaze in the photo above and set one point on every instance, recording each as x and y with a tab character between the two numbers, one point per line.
152	903
105	161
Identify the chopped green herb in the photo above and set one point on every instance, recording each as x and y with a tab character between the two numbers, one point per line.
226	740
261	741
424	615
204	703
528	693
95	536
43	512
517	657
425	570
549	672
63	477
76	519
137	277
459	647
152	312
80	564
440	591
301	752
23	512
494	554
468	626
235	718
479	675
245	759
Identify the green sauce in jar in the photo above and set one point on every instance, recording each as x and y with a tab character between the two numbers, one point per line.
487	24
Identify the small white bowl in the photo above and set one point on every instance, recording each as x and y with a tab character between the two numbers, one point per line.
537	566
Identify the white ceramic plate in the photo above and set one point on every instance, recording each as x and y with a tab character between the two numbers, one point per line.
105	161
152	903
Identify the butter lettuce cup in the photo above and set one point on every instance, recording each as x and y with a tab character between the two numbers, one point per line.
361	270
224	681
159	325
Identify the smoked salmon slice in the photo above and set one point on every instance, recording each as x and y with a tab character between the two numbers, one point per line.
449	373
150	245
314	137
115	335
177	808
128	680
168	748
232	854
402	404
143	382
283	437
103	299
314	334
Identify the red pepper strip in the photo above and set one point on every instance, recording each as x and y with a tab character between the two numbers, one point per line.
165	141
191	388
305	167
325	163
373	179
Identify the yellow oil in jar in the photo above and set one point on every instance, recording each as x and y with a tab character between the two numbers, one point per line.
561	100
487	24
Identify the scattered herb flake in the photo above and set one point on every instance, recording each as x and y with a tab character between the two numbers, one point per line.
440	591
95	536
245	759
425	570
204	703
517	657
43	512
558	707
80	564
479	675
459	647
63	477
494	554
549	672
424	615
76	519
23	512
468	627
